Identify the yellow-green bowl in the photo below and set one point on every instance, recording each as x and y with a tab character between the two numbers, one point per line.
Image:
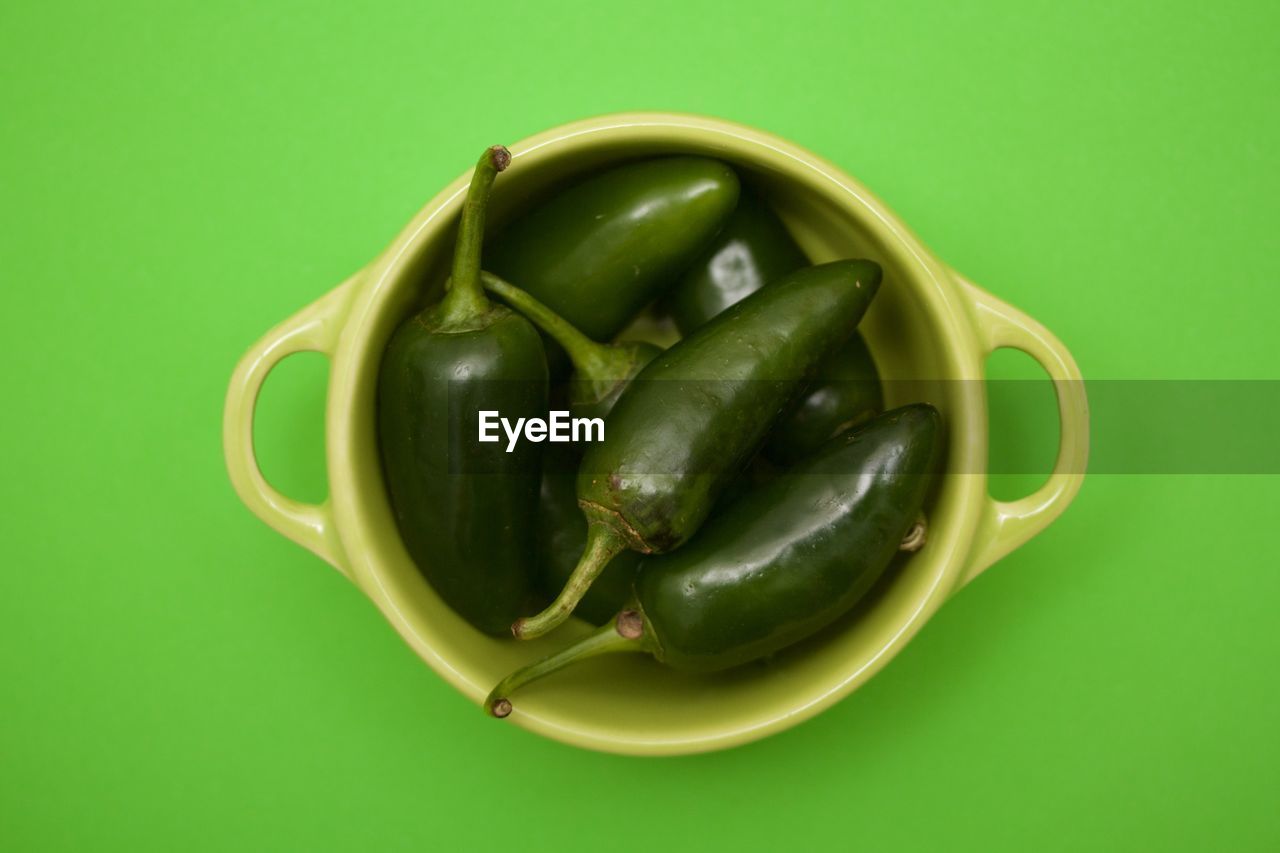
927	323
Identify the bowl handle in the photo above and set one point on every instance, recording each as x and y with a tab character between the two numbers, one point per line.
313	329
1008	524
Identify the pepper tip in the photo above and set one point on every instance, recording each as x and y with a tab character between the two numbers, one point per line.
500	157
500	708
630	625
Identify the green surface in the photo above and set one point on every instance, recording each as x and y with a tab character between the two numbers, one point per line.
175	675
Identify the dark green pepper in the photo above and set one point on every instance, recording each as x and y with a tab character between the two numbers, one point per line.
845	393
753	250
692	420
600	251
778	565
465	509
600	371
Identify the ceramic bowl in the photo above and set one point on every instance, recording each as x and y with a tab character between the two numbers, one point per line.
928	325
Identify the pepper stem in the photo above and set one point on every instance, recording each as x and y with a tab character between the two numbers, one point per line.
603	544
619	634
592	360
465	299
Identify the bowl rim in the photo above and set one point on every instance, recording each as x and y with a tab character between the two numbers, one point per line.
961	353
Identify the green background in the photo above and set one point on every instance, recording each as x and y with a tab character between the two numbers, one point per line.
173	675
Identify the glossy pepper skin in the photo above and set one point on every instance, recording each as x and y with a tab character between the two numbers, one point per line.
753	250
465	509
600	251
779	564
562	535
845	393
789	558
692	420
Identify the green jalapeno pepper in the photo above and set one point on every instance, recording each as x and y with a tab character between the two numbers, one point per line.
465	509
600	251
779	564
696	415
600	371
753	250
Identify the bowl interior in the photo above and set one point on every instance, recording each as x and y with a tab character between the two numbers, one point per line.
630	703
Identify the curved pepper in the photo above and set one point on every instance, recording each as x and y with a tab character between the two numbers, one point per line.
753	250
778	565
692	419
465	509
599	252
